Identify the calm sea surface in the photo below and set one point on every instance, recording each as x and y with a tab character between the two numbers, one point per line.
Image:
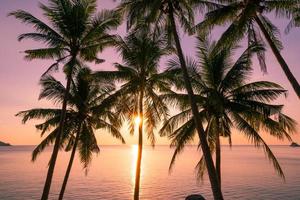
247	174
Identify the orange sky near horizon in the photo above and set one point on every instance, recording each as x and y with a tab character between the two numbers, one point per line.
19	87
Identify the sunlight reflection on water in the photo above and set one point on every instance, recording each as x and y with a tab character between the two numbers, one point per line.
247	174
134	153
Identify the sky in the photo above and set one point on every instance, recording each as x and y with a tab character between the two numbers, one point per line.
19	88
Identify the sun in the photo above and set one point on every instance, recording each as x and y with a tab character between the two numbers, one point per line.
137	120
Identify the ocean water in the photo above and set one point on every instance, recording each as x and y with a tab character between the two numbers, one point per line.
246	174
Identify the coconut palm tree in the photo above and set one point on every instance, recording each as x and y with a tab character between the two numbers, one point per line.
73	33
226	101
163	15
249	18
85	114
141	80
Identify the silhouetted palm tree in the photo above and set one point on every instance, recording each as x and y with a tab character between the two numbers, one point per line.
245	16
225	102
163	15
74	33
141	81
85	114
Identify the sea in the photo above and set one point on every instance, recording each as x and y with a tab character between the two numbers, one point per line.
246	174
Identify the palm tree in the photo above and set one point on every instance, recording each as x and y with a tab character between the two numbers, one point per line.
141	81
85	114
226	101
75	33
245	16
163	15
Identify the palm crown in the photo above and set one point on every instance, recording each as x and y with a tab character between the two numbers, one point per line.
157	13
141	56
75	31
84	108
141	81
249	17
226	101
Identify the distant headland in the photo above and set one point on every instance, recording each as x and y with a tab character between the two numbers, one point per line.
294	144
4	144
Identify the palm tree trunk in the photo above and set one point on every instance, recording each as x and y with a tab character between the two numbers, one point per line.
58	137
201	133
63	188
140	149
293	81
218	159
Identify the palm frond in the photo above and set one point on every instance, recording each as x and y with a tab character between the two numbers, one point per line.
51	89
256	139
38	113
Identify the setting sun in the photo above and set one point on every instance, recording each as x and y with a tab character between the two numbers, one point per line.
137	120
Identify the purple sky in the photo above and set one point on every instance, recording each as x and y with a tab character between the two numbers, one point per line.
19	78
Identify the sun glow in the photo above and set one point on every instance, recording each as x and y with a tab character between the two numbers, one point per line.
137	120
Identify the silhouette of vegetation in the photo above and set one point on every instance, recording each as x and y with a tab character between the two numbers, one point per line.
85	114
249	19
211	92
74	33
226	101
165	16
141	83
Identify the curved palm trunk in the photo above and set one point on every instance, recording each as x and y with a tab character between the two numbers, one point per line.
218	159
293	81
201	133
58	137
140	149
64	185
